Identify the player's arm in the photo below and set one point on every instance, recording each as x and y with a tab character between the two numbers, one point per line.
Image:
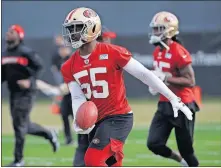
186	78
147	77
137	70
77	95
186	75
78	98
35	64
35	68
51	90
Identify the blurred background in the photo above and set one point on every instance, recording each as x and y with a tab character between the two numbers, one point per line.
200	30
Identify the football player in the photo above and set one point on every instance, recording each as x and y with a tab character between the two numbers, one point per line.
172	64
95	72
21	66
62	90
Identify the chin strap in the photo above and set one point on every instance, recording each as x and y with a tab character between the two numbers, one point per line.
164	45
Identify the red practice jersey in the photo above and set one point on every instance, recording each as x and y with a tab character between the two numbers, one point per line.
170	61
101	77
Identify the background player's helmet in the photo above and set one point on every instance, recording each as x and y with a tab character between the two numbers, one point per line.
163	25
82	25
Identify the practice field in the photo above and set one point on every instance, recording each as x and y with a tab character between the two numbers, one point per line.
38	152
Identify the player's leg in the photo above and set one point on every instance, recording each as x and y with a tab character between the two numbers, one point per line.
51	135
66	109
83	143
159	132
108	140
184	137
36	129
19	111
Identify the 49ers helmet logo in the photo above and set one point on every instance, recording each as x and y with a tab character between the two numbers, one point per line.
168	19
89	13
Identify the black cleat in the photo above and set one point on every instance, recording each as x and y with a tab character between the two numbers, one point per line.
17	164
54	141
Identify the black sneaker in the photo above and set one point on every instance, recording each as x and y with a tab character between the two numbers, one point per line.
54	141
17	164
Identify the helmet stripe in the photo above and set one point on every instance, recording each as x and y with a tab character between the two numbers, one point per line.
69	17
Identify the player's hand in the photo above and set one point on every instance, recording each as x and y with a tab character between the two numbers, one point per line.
177	105
152	91
78	130
53	91
24	83
162	75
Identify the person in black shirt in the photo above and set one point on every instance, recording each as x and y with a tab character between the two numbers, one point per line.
57	59
21	66
61	54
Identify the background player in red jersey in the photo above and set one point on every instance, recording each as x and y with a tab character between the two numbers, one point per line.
172	64
95	72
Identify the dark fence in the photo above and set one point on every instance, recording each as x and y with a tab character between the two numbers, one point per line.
204	47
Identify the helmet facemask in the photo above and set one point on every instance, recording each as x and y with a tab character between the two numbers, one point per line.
159	34
76	33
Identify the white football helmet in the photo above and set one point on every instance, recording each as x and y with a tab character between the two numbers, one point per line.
81	26
163	25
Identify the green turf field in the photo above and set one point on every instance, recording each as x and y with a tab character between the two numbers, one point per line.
38	152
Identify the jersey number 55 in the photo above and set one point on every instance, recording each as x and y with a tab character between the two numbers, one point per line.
94	82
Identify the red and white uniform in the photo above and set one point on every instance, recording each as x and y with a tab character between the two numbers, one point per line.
100	77
170	61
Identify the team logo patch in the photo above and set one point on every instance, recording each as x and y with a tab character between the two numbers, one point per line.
89	13
168	55
96	141
103	57
86	61
184	56
168	19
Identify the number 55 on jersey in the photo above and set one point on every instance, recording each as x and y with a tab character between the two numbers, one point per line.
101	79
